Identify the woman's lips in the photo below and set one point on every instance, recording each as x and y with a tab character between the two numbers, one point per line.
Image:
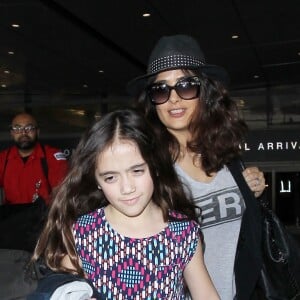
179	112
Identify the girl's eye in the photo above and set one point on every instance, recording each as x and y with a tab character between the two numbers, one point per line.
109	179
138	171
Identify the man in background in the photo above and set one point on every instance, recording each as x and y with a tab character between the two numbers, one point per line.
29	170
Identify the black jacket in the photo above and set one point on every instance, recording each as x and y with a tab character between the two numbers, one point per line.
248	260
52	280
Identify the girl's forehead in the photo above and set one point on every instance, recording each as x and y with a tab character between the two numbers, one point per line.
119	156
118	147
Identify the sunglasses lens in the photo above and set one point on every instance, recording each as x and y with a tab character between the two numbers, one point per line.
159	93
188	89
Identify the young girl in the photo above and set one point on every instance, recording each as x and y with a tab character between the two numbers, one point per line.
121	217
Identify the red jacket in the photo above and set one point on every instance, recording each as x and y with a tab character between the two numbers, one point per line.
19	180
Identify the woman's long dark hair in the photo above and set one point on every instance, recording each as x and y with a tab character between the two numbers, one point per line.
78	194
216	129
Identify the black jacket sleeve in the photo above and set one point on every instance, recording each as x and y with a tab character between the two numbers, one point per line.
248	260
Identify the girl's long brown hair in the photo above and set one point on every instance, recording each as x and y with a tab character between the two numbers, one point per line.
78	194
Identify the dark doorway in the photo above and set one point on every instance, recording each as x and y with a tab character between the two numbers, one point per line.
287	197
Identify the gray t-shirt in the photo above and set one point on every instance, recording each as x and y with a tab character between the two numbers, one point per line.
222	207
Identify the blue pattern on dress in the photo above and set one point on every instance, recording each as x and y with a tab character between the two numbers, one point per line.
129	268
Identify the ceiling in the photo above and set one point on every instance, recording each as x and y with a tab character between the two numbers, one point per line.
70	49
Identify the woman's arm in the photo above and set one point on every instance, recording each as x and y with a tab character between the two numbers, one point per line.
197	278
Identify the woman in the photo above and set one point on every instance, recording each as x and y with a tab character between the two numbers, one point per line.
186	101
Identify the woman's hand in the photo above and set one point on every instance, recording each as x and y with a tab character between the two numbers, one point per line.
255	180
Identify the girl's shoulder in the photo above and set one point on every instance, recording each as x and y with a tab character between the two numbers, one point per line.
183	229
92	217
176	217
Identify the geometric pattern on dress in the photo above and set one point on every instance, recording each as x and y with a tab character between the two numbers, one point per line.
127	268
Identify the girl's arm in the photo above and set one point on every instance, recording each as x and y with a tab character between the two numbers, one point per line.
66	263
197	278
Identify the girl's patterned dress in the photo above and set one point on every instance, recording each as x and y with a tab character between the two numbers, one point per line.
128	268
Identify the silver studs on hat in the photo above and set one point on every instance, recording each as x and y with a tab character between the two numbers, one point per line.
174	61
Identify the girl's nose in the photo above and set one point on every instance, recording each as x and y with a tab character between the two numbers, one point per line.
127	187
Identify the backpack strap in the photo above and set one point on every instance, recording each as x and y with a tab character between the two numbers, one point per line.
6	160
44	162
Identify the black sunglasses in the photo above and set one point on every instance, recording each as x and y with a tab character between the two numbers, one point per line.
186	88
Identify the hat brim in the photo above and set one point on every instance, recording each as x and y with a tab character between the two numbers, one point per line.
138	84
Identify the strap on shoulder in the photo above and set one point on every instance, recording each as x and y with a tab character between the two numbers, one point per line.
6	160
44	162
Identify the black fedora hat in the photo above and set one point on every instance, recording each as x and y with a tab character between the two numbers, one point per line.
176	52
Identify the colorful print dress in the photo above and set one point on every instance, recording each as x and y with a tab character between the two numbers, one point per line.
128	268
